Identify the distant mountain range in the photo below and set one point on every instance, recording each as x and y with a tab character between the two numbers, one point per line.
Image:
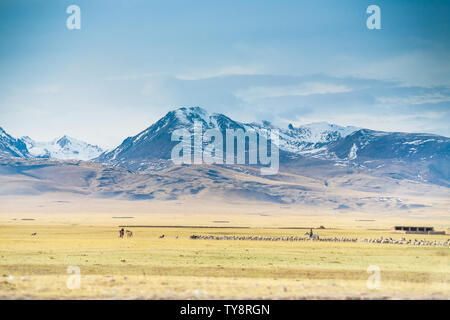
415	156
64	148
152	147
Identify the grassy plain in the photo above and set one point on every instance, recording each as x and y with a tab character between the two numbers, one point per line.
147	267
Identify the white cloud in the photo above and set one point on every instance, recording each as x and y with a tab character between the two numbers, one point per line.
105	112
223	71
303	89
421	68
414	99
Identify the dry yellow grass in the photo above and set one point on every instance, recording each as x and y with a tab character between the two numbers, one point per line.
146	266
83	232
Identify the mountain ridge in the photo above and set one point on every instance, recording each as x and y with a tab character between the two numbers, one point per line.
155	142
349	146
12	147
417	156
63	148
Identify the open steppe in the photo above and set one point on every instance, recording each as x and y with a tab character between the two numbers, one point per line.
84	233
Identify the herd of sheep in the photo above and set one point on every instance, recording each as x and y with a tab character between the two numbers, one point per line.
403	240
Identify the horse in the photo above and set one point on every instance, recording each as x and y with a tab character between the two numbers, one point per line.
129	234
312	235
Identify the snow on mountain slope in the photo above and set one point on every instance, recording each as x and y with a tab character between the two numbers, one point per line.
421	157
155	143
416	156
322	132
370	144
11	147
64	148
308	139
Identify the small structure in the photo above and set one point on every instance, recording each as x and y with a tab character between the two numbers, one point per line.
418	230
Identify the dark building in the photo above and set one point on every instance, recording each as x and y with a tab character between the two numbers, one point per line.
417	229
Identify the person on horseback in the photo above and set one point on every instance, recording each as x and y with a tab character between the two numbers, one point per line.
310	233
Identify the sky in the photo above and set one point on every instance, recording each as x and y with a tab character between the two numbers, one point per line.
283	61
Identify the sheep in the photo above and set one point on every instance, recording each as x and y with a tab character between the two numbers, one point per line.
315	237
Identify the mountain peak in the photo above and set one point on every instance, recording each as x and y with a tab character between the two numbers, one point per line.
5	134
192	109
64	148
320	132
12	147
64	141
2	132
187	115
267	124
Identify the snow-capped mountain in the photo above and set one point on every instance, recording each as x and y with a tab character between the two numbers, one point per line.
419	156
415	156
367	144
151	148
12	147
64	148
319	140
423	155
321	132
309	139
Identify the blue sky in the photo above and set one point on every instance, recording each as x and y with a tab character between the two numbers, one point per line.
283	61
